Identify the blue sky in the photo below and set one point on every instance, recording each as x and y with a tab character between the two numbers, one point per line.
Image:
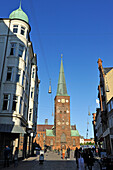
81	30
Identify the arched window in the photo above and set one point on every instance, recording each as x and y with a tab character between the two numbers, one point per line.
73	142
51	142
63	137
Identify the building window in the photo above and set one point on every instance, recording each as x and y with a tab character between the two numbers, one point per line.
33	73
38	134
43	135
30	113
20	105
15	101
21	49
31	92
60	111
15	28
6	101
73	142
13	49
25	54
109	107
112	104
51	142
63	137
18	76
23	78
22	30
64	112
9	74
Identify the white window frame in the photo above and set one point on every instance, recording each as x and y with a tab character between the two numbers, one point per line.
15	102
18	75
10	73
13	49
20	50
6	99
22	31
15	28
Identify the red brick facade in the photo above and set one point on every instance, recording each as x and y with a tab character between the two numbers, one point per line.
60	135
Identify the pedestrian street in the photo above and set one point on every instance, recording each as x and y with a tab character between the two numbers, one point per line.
52	161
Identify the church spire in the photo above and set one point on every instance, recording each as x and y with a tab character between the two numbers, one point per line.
61	88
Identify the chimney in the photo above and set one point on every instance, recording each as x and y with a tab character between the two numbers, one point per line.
46	121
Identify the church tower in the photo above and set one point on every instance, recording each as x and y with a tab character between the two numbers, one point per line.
62	125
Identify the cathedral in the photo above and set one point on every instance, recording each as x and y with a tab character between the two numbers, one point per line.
62	134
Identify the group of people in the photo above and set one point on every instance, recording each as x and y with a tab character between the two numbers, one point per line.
7	156
64	153
84	158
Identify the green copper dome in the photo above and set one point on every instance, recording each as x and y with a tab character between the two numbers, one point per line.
19	14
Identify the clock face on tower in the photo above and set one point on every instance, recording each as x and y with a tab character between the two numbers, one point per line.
63	100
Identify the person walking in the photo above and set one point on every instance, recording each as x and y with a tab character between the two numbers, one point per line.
7	152
16	157
58	151
77	156
85	157
68	152
90	159
63	153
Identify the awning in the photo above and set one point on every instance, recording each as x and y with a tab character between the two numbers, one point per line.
11	128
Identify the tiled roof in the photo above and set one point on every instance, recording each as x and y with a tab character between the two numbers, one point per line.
49	132
107	69
87	139
44	127
74	133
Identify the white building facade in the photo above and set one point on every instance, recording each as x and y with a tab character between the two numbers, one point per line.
19	84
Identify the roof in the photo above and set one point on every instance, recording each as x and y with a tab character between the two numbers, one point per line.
61	88
74	133
9	128
49	132
107	69
44	127
19	14
87	139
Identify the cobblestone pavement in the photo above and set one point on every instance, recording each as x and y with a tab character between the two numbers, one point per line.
52	161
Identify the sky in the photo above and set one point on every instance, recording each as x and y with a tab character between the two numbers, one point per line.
81	30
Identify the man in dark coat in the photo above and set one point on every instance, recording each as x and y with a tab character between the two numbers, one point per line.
7	152
68	152
77	155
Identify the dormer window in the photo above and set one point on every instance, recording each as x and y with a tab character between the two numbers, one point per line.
15	28
22	30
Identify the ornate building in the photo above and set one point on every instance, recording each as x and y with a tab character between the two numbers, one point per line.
19	84
62	134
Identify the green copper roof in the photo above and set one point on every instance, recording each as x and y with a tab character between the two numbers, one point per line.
49	132
61	88
74	133
19	14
